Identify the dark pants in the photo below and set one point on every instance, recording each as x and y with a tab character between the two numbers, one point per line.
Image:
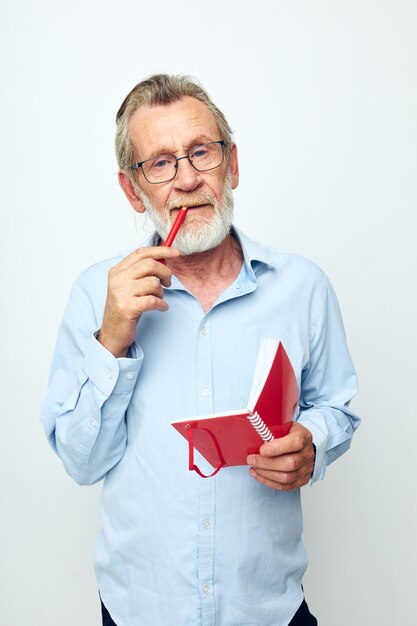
303	617
107	620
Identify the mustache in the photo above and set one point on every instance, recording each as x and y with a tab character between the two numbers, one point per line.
196	198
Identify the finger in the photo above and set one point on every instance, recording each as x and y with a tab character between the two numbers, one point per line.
279	486
281	478
121	294
147	286
153	252
150	267
150	303
296	440
283	463
132	307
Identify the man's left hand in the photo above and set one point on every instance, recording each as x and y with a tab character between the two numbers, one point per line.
286	463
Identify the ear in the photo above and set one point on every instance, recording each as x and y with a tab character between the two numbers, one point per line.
234	166
130	193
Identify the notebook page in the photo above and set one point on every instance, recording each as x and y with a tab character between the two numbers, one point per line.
266	355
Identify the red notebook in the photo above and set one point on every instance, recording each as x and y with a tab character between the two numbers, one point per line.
227	438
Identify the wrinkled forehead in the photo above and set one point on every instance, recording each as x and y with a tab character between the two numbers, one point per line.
172	128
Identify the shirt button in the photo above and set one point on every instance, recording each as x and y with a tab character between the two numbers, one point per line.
130	375
206	589
109	374
204	330
238	287
206	523
93	422
205	392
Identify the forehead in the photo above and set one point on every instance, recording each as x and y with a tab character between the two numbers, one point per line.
172	128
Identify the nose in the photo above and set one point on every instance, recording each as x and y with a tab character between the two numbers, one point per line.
187	178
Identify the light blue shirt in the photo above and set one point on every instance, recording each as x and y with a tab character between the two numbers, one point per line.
176	549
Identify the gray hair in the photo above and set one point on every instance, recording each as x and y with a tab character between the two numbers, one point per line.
161	89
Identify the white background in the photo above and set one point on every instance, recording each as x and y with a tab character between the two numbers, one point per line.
323	99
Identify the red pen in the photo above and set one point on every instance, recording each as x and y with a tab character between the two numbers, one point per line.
176	225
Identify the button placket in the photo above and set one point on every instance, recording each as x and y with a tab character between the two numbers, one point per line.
206	489
204	365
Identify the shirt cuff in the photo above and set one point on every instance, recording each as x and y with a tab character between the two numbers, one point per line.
109	374
320	442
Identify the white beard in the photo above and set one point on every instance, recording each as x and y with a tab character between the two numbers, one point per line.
197	233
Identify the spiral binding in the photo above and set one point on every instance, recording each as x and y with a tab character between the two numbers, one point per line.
260	426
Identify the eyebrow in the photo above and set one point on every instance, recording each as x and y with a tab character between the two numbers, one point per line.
200	139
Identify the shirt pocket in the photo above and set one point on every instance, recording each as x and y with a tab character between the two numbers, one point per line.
249	342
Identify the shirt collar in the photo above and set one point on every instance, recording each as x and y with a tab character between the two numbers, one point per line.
253	251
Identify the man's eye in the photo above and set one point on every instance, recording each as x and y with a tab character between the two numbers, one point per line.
161	163
198	154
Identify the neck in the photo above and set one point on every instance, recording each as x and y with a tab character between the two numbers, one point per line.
214	261
207	274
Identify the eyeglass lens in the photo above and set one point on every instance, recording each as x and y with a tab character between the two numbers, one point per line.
163	168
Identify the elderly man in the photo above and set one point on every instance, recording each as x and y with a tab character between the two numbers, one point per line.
159	334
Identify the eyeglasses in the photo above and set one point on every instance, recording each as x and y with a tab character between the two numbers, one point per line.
163	168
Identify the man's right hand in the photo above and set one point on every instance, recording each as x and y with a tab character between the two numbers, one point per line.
134	286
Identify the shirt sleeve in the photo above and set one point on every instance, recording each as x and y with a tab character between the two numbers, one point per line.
328	384
89	390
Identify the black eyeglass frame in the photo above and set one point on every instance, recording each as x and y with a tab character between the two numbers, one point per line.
138	166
